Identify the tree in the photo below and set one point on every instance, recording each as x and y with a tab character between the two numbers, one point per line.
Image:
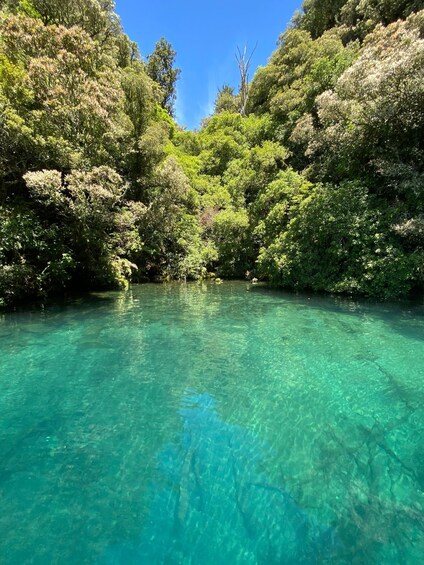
339	241
226	100
96	17
99	226
160	68
171	227
35	259
61	97
243	62
230	233
97	180
245	177
371	123
363	15
317	16
299	70
359	17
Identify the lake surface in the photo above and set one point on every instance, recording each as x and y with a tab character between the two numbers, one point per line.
206	424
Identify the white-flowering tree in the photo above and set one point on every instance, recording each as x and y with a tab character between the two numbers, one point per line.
372	121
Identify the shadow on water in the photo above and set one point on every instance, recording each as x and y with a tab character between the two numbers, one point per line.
336	303
403	316
342	303
210	481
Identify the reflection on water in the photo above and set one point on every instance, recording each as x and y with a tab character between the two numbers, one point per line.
212	424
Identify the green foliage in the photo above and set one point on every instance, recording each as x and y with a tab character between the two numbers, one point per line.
360	16
95	17
100	229
300	70
140	95
248	175
61	99
226	100
170	230
339	242
34	260
160	68
372	121
278	203
231	238
99	186
317	16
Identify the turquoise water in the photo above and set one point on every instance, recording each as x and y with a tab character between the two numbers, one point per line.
206	424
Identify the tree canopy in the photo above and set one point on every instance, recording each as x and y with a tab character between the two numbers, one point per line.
310	176
160	68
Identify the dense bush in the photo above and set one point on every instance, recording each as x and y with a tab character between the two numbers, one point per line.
339	241
320	186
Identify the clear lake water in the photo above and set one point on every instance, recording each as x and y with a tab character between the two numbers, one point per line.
212	424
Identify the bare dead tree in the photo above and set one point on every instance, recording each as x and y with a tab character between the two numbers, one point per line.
243	62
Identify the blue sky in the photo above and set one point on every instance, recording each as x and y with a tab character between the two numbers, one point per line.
205	34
